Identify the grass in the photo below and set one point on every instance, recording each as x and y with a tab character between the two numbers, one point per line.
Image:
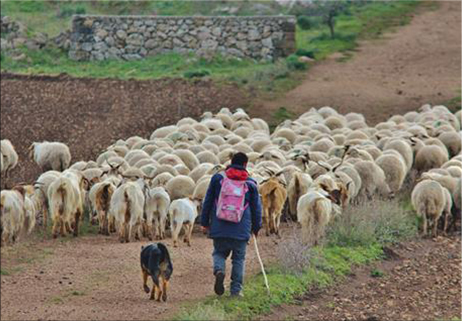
366	21
345	247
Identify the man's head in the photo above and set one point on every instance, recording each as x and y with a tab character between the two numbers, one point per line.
240	159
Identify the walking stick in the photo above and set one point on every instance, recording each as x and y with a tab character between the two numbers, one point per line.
261	263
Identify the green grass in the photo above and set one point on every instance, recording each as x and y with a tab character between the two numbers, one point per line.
376	273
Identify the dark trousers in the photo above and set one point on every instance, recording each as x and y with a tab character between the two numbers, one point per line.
222	247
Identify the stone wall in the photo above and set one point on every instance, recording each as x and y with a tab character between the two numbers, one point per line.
135	37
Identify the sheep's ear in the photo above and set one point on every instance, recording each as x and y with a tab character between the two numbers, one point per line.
324	186
348	184
279	173
21	190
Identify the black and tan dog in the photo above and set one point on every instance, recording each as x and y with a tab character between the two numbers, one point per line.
155	261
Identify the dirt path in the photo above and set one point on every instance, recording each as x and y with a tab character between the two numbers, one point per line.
98	278
420	282
418	64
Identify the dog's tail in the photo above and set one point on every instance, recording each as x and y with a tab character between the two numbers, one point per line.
164	250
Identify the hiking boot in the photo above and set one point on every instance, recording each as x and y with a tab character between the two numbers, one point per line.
219	279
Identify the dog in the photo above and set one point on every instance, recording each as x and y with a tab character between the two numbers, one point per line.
155	262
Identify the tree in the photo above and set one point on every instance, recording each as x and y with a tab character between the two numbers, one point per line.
328	10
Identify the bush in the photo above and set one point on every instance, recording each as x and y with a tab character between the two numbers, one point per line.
372	222
304	22
305	52
196	73
294	256
294	64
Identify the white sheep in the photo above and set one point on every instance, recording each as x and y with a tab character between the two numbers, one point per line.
180	186
394	168
9	157
298	186
51	155
183	213
430	156
100	198
12	215
428	199
156	210
126	210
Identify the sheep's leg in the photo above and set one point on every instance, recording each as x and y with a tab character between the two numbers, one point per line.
45	217
446	222
266	221
61	227
176	228
424	227
54	230
122	232
190	233
145	281
155	227
435	229
162	228
186	232
77	221
278	222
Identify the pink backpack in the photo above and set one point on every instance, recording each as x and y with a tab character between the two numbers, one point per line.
230	206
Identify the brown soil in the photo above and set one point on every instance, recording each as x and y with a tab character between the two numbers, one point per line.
90	114
98	278
419	63
421	281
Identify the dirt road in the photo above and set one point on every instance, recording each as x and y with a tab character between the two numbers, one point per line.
98	278
419	63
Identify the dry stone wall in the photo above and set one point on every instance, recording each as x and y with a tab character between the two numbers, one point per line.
135	37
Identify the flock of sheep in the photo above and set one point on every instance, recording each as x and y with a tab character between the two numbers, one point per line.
319	164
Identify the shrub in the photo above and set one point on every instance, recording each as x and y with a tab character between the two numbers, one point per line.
305	52
294	64
304	22
196	73
372	222
294	256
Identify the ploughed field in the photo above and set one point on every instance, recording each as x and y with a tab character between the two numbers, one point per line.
90	114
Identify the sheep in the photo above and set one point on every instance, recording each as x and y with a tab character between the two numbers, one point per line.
314	211
9	157
452	141
188	158
65	205
126	210
430	156
200	171
182	169
163	132
100	198
79	166
51	155
447	209
428	200
273	194
12	215
183	213
30	214
180	186
354	176
41	192
372	179
298	186
171	160
156	210
162	179
403	148
394	168
207	157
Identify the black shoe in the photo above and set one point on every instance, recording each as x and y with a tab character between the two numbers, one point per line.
219	279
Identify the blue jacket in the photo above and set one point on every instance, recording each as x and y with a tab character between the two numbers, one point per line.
251	219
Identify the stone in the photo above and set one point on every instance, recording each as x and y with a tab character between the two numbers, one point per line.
177	42
135	39
235	52
209	44
267	42
121	34
241	36
150	44
100	46
102	34
113	52
17	42
78	55
97	55
143	52
162	35
131	57
216	31
87	46
20	57
32	45
4	44
109	41
253	34
241	45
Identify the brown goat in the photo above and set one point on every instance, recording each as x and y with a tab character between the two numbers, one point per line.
274	195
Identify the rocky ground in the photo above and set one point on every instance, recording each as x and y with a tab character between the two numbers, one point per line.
420	280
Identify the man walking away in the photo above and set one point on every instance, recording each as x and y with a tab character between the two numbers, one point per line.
230	213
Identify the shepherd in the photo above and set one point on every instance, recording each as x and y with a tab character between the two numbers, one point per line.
231	212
